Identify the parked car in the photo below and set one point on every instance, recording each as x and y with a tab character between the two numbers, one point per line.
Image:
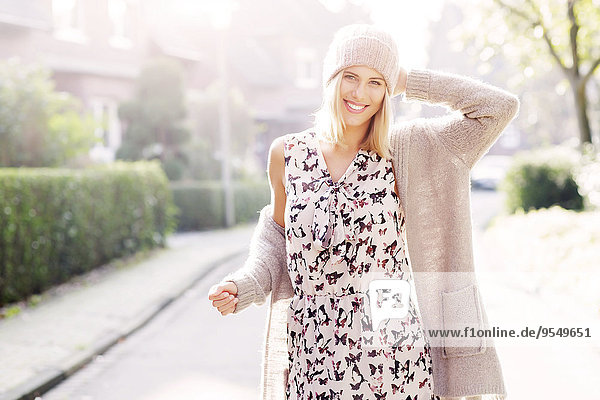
489	171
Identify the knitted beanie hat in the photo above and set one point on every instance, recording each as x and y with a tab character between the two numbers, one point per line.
363	44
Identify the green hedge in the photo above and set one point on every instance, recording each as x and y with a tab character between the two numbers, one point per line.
201	203
542	178
57	223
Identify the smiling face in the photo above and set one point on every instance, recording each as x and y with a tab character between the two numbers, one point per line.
361	90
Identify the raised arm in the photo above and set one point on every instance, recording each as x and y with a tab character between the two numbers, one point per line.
267	259
482	110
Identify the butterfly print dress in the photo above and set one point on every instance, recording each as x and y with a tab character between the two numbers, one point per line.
340	236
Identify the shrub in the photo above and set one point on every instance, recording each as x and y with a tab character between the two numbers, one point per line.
201	203
541	179
39	127
57	223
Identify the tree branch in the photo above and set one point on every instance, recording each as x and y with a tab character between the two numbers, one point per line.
516	11
573	36
548	40
589	74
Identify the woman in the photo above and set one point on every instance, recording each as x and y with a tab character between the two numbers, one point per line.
351	198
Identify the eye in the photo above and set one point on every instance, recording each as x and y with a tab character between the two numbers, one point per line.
350	77
376	82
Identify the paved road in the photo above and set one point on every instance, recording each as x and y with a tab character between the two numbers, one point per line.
191	352
557	369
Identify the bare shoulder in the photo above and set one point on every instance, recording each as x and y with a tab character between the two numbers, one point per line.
276	163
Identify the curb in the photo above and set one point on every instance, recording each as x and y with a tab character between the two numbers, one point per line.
47	379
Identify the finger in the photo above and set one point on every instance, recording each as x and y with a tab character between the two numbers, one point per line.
230	308
222	302
218	296
213	293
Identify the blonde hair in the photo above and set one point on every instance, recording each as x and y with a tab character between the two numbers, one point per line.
329	124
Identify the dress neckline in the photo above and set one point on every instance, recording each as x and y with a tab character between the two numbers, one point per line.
325	168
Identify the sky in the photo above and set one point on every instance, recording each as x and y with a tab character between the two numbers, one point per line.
407	20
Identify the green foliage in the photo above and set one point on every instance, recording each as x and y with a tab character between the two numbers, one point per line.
154	117
516	29
540	37
205	147
542	178
201	203
39	127
58	223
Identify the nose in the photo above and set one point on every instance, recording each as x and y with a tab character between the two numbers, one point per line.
358	91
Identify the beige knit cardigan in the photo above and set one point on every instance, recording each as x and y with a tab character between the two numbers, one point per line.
432	159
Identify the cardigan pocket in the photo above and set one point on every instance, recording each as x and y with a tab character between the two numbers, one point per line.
462	321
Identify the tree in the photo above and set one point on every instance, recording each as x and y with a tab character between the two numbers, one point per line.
39	127
154	117
565	33
204	151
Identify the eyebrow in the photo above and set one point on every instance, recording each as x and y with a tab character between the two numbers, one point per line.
375	77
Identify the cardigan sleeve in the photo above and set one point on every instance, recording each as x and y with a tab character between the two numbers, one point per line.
482	111
265	263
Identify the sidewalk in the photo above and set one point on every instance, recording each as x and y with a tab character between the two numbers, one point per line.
45	344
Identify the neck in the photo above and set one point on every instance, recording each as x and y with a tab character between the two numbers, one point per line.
354	135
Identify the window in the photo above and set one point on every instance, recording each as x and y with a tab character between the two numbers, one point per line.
121	18
306	68
68	20
108	128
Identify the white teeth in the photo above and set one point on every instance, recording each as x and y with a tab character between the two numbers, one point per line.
352	106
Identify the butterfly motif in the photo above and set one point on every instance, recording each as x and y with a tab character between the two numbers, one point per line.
380	219
371	250
356	303
382	263
351	343
380	396
300	233
375	368
377	197
333	277
306	246
362	226
312	375
421	384
309	167
411	377
362	164
360	177
342	338
326	320
339	375
342	318
353	358
388	171
319	287
300	206
383	231
396	388
389	249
